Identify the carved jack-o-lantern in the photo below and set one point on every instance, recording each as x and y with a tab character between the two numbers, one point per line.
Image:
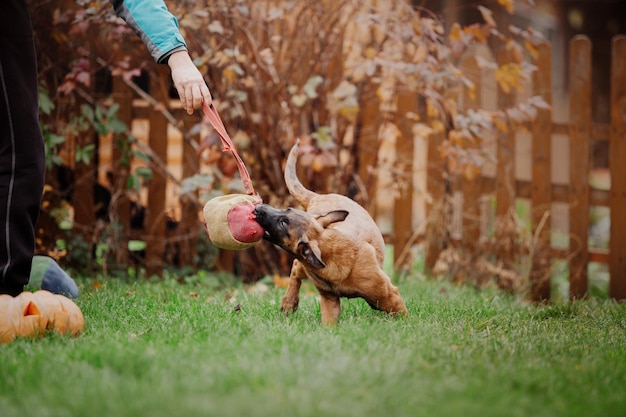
31	314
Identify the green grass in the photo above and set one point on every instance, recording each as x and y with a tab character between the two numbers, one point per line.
166	349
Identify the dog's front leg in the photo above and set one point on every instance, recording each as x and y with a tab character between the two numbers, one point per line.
330	305
292	296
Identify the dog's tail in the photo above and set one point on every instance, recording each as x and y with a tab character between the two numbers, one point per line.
295	187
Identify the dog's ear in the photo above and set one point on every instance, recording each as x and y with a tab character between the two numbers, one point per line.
310	252
331	217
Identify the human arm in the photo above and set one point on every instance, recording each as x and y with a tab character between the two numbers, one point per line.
158	30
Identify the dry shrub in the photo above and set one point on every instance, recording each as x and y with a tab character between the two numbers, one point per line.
279	70
503	258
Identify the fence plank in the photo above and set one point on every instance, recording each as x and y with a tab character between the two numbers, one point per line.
83	192
505	177
403	203
541	190
505	169
471	190
123	96
155	212
617	254
189	226
85	175
436	234
580	130
368	143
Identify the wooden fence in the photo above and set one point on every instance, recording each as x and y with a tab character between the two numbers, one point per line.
540	190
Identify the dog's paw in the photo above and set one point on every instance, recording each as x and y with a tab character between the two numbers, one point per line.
289	305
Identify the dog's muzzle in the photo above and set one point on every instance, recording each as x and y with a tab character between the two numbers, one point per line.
268	217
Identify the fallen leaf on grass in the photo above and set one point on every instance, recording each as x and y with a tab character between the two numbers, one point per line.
257	288
134	335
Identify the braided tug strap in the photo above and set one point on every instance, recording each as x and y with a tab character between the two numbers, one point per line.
230	220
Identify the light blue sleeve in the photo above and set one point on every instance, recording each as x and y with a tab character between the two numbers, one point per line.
154	23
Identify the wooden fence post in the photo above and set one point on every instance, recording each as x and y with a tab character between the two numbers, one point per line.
155	211
541	189
579	134
617	254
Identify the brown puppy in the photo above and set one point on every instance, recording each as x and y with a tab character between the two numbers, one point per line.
336	244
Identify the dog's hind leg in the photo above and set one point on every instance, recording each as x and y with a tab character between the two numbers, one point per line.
292	296
330	306
388	300
381	294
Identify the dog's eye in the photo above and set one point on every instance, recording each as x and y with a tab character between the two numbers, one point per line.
284	222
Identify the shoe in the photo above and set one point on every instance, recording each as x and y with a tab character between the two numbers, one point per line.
46	274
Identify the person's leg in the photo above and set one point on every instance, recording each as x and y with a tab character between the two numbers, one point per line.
22	154
46	274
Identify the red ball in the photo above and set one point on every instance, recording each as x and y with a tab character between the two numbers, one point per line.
242	224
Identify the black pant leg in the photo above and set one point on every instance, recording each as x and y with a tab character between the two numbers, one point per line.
22	154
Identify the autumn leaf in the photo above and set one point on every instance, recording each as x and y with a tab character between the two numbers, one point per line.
216	27
456	137
299	100
508	5
499	122
310	87
517	53
487	15
385	92
194	20
532	50
478	32
343	101
539	102
432	110
516	115
349	109
318	164
509	76
471	171
455	32
457	39
280	281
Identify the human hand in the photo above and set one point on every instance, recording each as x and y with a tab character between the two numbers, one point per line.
192	88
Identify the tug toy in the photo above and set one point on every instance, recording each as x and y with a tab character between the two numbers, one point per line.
230	220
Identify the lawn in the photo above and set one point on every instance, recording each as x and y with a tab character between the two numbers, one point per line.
194	349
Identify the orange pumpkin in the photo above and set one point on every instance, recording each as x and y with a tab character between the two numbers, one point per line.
31	314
